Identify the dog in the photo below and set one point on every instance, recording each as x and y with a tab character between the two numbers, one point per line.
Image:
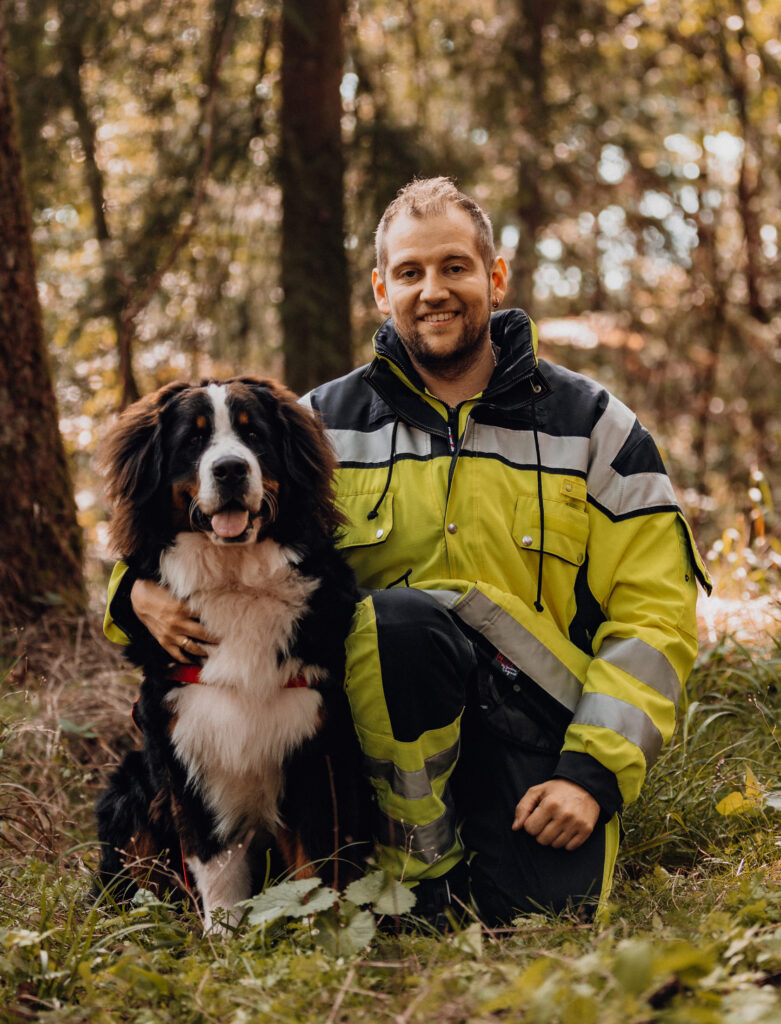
223	493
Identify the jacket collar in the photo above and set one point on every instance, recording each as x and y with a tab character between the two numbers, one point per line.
510	387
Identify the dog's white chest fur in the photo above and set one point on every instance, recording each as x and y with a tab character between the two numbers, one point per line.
234	731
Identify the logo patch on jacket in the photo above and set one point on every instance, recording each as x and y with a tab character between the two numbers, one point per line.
505	666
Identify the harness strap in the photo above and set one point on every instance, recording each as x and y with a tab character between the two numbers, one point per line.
192	674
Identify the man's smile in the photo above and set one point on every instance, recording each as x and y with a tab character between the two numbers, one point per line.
438	318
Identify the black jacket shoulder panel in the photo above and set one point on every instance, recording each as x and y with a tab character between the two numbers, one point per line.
349	403
575	403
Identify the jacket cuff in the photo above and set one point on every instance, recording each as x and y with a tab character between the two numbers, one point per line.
121	608
585	771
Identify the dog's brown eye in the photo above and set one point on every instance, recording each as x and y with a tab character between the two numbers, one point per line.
196	439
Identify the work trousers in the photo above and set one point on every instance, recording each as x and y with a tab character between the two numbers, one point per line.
452	739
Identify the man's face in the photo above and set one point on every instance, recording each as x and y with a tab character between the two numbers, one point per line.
437	290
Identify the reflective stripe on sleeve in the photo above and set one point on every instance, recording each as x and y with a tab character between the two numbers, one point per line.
427	843
598	709
622	495
521	647
643	662
413	785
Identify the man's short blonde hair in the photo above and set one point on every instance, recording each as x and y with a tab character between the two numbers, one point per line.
429	197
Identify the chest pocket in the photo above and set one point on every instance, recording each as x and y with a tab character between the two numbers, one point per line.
566	522
360	531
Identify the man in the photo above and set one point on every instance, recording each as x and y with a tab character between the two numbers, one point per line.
515	667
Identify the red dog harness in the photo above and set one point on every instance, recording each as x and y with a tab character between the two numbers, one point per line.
192	674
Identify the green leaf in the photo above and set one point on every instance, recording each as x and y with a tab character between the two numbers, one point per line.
345	938
290	899
385	894
367	889
86	731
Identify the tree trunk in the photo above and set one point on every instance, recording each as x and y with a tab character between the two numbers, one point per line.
73	19
40	540
528	84
316	303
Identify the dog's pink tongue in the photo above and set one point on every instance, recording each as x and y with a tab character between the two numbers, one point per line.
230	524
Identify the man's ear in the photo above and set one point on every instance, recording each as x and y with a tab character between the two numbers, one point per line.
499	278
380	295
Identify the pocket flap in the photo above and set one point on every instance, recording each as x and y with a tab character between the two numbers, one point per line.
360	530
566	529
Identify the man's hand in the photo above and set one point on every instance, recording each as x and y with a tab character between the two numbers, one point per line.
558	813
170	622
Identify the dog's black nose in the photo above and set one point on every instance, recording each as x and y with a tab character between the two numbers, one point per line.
230	469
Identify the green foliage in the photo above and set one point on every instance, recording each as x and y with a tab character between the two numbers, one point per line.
336	923
692	932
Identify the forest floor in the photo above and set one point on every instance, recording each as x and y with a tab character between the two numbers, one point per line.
692	933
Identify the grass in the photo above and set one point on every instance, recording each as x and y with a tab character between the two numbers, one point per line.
693	932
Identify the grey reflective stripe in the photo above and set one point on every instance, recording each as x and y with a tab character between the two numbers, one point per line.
428	842
523	648
371	447
415	785
562	453
644	662
447	598
621	495
628	721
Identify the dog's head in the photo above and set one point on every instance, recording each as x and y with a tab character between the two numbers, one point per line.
236	460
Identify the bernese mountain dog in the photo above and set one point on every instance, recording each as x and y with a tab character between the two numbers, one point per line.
223	493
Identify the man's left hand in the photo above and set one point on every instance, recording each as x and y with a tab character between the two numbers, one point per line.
558	813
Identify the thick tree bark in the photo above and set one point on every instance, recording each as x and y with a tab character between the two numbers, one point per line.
40	540
72	24
528	84
316	304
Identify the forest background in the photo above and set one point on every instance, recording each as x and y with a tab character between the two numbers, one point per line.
204	181
191	189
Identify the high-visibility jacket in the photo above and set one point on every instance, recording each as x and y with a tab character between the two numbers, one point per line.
462	503
541	514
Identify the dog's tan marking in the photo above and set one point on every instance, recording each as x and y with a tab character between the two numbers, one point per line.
243	418
297	861
201	422
147	867
182	494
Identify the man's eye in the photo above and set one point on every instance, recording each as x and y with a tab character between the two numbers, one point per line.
456	269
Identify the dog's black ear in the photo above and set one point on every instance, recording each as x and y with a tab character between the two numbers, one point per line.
131	461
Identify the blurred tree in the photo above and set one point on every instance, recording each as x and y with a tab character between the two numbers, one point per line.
40	542
316	303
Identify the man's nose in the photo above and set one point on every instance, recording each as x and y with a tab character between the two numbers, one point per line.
434	287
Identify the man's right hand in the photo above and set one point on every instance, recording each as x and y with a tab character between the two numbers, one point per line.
170	622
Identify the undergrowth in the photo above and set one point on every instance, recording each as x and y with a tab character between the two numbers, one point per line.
692	933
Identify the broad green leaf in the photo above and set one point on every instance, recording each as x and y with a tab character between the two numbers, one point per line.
345	938
633	966
367	889
289	899
385	894
735	803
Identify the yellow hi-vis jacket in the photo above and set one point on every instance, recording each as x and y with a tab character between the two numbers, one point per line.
543	465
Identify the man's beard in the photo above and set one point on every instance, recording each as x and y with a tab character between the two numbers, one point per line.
452	364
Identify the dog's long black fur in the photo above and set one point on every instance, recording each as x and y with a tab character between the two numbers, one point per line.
152	816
